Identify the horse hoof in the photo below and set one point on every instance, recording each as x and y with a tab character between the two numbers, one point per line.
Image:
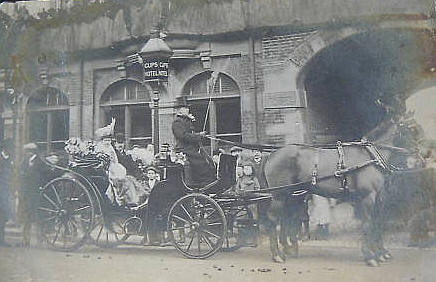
278	259
372	262
387	256
381	258
290	251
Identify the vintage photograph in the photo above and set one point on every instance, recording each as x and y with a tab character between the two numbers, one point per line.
217	140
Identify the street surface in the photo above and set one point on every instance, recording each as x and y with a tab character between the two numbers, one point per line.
318	261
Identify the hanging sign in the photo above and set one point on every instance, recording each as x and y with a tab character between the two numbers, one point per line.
156	69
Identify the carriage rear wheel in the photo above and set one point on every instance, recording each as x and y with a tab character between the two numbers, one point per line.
107	233
197	226
234	239
65	214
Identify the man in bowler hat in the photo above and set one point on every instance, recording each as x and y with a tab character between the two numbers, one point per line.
201	165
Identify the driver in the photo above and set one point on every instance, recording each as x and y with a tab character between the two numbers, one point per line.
201	165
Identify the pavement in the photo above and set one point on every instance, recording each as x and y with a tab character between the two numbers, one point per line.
336	259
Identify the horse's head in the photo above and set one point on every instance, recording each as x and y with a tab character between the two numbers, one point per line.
399	135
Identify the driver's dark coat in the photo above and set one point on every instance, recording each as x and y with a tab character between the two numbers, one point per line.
202	169
183	130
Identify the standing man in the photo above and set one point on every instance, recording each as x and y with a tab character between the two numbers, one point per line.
31	174
5	177
201	165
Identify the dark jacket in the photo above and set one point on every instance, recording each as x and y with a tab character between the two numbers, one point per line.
202	169
34	173
132	167
183	130
5	177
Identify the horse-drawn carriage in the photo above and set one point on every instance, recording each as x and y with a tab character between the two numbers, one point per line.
199	221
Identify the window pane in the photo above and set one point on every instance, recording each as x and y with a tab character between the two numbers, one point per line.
124	91
199	109
38	127
197	86
228	116
60	123
47	97
140	121
116	112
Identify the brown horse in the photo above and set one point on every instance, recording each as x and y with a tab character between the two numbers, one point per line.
362	171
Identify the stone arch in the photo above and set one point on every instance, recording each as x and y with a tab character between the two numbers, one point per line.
322	39
308	54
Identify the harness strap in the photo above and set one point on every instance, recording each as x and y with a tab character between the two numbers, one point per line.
315	167
378	158
340	169
342	172
341	160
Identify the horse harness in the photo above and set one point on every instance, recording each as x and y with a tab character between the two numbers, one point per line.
341	169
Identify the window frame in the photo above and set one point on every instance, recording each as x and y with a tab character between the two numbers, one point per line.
127	103
213	98
32	106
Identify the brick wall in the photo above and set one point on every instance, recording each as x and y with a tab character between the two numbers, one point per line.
280	117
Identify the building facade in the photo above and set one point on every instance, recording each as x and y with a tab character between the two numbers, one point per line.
254	72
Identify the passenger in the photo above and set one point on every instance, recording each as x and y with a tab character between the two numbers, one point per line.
248	181
133	167
123	189
216	156
236	152
152	177
143	155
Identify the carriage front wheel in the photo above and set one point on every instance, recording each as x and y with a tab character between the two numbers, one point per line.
65	214
197	226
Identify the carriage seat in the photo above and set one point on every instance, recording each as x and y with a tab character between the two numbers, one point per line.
226	177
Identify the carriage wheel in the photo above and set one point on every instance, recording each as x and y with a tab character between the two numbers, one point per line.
65	214
232	241
197	226
108	233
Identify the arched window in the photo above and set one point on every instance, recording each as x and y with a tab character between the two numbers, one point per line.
48	118
218	97
128	102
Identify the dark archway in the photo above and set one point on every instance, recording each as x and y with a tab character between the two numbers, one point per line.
344	81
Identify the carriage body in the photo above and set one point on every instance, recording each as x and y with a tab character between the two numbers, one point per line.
198	221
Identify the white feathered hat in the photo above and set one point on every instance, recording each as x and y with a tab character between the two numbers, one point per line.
106	131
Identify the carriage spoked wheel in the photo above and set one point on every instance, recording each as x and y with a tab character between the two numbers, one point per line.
65	214
197	226
233	240
108	232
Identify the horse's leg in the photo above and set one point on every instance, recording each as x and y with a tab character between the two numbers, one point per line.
285	230
368	230
379	220
277	255
381	254
272	223
291	225
267	219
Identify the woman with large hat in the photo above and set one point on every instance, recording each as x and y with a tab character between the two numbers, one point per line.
201	165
